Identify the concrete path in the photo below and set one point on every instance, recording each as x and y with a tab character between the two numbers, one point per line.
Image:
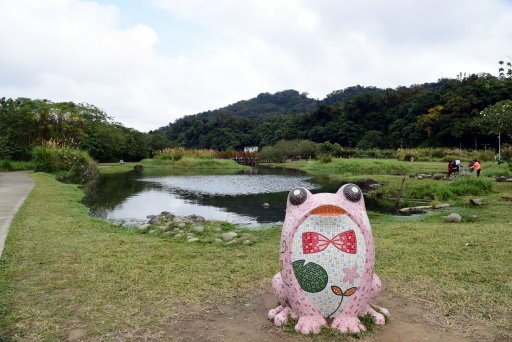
14	188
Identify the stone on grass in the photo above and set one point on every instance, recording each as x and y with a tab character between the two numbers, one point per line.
168	234
144	226
152	231
154	220
217	240
438	176
229	236
506	197
178	236
453	217
476	201
193	240
181	225
232	242
247	242
501	179
198	229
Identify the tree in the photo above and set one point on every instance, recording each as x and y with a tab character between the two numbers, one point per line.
427	121
498	117
505	71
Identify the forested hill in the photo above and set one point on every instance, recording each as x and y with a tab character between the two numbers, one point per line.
265	105
443	113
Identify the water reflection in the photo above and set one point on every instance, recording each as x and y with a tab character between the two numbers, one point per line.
236	198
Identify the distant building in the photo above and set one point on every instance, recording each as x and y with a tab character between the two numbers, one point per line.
251	149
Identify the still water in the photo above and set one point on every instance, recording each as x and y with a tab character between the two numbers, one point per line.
236	198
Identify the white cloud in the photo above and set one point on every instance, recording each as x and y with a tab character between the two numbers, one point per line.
80	50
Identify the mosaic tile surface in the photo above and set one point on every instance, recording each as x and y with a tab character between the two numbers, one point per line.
327	258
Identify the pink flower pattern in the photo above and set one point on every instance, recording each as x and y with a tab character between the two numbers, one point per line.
350	274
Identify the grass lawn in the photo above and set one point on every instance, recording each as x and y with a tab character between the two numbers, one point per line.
186	163
63	270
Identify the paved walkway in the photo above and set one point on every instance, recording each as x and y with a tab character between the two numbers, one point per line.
14	188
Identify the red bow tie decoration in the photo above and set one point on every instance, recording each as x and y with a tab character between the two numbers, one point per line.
314	242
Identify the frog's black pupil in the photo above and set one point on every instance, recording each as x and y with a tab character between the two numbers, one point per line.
298	196
352	192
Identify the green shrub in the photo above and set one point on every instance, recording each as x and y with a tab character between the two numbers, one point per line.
488	155
14	165
78	166
325	158
6	165
470	185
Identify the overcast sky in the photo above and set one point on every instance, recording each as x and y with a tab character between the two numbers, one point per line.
147	63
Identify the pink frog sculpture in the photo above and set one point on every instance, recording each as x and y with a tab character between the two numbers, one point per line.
327	258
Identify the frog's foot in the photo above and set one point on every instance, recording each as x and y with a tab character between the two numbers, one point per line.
281	315
382	310
378	318
346	324
272	313
310	324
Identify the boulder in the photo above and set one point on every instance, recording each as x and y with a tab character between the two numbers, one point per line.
193	240
506	197
154	220
229	236
164	213
144	226
194	218
247	242
217	240
181	225
453	217
476	201
178	236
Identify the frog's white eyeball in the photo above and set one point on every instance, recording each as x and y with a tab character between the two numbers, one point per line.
352	193
297	196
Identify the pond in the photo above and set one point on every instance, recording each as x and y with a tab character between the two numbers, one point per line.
237	197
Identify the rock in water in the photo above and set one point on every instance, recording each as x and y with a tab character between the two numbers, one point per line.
265	205
453	217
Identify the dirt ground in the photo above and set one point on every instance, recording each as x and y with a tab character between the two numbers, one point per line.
247	321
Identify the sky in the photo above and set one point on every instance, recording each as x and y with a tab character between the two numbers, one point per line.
147	63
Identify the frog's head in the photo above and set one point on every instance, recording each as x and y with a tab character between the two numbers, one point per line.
348	201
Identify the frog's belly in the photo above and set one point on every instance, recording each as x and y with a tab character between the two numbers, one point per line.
328	255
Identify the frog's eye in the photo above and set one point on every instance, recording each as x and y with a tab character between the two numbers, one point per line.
352	193
297	196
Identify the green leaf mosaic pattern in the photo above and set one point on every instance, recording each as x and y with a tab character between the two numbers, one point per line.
311	277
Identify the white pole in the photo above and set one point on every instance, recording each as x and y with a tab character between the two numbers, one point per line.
499	146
